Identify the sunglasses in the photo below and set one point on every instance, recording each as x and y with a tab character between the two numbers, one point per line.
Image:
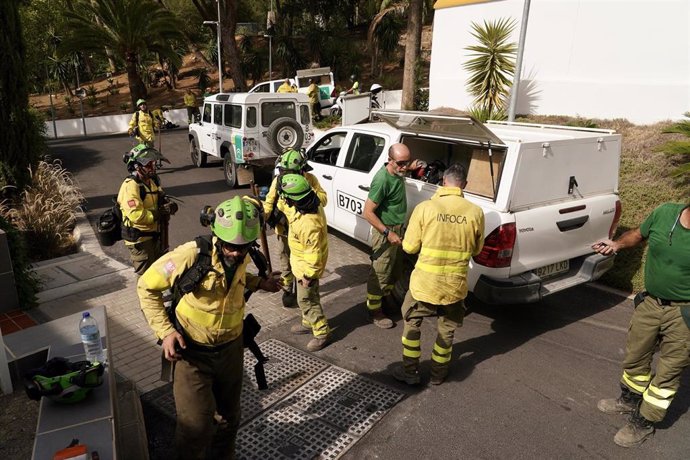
401	163
241	248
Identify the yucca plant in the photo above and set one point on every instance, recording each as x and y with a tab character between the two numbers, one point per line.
491	66
679	148
46	211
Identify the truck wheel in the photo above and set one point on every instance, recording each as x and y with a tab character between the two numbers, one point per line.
198	157
229	170
285	133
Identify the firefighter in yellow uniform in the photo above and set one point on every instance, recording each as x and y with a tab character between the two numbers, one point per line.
142	201
308	240
143	124
207	346
446	231
190	105
278	214
286	87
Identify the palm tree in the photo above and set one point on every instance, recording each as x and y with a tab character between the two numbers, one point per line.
492	65
129	28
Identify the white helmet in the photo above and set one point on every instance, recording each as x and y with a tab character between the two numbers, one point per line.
375	88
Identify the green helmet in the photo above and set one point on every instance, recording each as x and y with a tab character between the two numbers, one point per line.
142	155
294	186
141	101
63	381
236	221
293	160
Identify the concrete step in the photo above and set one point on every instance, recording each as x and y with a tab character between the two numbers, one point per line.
130	429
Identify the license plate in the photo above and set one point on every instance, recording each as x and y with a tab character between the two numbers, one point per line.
553	269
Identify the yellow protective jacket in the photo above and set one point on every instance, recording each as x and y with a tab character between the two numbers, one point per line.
136	212
158	115
272	199
286	88
210	315
313	93
308	242
146	126
189	100
446	231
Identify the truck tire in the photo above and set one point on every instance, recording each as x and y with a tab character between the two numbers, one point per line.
198	157
285	133
229	170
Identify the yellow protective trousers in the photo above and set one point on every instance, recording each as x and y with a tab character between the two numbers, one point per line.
385	269
653	324
449	318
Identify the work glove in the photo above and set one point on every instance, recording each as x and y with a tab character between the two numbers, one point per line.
170	207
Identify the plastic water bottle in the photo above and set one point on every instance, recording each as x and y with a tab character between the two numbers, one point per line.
91	338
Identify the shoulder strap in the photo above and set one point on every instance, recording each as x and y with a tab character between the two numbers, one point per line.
191	278
142	186
136	118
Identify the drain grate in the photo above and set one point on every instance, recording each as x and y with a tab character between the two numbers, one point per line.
311	410
286	370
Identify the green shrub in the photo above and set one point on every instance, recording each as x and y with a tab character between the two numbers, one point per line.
25	279
46	211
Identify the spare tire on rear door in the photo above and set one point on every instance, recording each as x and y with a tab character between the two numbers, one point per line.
285	133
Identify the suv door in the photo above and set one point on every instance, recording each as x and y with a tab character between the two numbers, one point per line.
215	129
357	164
322	158
205	140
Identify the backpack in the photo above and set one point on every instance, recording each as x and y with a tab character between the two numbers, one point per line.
191	278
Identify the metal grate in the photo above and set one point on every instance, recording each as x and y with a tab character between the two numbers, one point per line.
286	370
311	410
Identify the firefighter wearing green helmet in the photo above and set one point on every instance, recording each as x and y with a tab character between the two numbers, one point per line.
143	203
277	214
206	346
143	124
308	241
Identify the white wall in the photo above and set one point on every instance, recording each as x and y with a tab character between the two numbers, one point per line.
592	58
108	124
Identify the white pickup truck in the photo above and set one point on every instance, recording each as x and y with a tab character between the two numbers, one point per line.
548	192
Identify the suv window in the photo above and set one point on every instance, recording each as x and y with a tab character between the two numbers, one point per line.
263	88
304	113
271	111
364	150
327	149
207	113
233	115
251	117
217	114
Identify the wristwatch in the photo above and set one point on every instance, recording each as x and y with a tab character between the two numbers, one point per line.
386	232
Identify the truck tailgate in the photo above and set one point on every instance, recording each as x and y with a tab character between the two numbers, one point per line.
549	236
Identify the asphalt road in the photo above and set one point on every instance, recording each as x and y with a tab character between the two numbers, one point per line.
527	379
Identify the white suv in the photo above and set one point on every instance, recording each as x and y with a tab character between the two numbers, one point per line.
249	130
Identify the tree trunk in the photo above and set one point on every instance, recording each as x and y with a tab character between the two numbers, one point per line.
412	45
229	44
137	89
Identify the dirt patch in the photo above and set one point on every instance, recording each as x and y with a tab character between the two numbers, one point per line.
18	418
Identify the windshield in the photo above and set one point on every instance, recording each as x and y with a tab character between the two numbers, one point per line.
271	111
